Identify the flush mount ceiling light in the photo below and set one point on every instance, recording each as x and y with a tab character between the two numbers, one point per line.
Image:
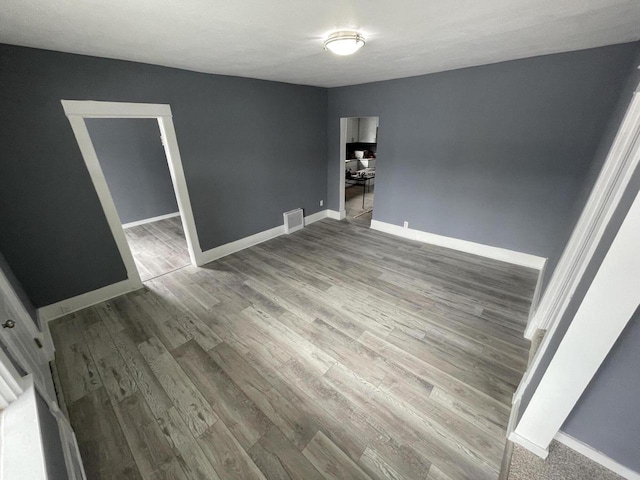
344	42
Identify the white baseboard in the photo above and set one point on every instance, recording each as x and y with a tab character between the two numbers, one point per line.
532	447
496	253
246	242
149	220
314	217
596	456
532	323
73	304
336	215
237	245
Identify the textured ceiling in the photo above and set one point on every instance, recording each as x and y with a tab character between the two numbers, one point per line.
282	40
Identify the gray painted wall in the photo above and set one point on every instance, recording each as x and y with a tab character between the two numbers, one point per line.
251	149
134	164
607	415
633	78
496	154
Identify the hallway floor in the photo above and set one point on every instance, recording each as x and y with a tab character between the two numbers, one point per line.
158	247
333	352
356	213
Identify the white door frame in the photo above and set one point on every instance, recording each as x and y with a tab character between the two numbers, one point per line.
21	341
41	331
343	154
76	111
609	304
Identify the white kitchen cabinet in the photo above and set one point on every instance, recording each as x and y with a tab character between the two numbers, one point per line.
368	129
353	126
363	130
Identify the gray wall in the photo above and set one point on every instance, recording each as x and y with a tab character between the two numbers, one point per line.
607	415
602	415
633	78
251	150
134	164
496	154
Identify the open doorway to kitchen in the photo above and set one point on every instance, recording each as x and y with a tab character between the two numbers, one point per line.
174	242
358	151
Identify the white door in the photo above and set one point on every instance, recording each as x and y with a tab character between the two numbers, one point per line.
25	343
21	443
27	436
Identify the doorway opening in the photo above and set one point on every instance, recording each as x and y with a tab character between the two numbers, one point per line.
358	158
142	190
133	161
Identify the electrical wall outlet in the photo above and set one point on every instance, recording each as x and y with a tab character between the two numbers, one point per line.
406	224
321	203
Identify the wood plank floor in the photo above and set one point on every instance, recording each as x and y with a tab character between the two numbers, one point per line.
158	247
353	204
336	352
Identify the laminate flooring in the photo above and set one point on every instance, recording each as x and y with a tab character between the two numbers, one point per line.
336	352
158	247
353	205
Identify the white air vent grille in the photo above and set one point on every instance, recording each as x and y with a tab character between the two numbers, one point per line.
293	220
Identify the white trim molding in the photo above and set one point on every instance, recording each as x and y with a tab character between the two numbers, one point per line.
343	155
335	215
242	243
535	301
597	456
98	109
76	111
36	329
73	304
170	143
10	382
314	217
102	189
612	297
496	253
150	220
536	449
619	166
246	242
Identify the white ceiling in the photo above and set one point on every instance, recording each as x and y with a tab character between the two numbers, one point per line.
282	40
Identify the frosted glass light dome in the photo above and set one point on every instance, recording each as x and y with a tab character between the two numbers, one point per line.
344	43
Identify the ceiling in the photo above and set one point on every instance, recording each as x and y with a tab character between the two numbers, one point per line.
282	40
